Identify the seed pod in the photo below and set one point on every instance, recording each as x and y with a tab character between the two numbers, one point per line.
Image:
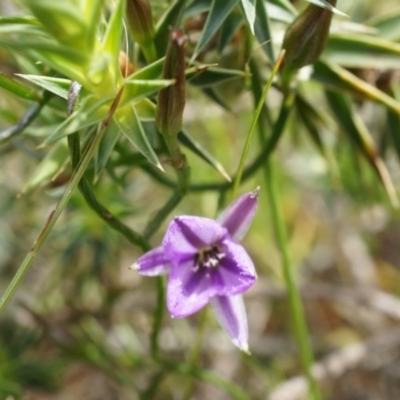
305	38
141	27
171	100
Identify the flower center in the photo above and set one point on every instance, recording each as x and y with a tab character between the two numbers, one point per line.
208	257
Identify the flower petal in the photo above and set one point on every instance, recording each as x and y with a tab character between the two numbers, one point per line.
188	290
237	217
186	235
237	257
231	314
152	263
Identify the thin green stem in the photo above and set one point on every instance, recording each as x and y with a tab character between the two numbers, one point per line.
298	316
30	115
55	214
157	319
195	354
180	192
295	302
91	200
260	106
269	147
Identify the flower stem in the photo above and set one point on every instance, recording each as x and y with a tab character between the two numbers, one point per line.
91	200
30	115
54	215
295	303
158	316
180	191
253	125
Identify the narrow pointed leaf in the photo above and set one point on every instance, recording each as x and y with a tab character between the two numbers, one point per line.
187	140
113	35
362	51
136	90
263	30
327	6
89	112
128	122
106	147
19	20
217	15
17	89
62	20
355	129
58	86
171	19
337	78
249	8
91	14
228	30
151	71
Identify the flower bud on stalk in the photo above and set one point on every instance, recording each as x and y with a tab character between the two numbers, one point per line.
140	22
305	39
171	100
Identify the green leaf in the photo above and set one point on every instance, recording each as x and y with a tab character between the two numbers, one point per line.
197	7
52	164
128	122
171	18
90	111
106	147
91	14
249	8
217	15
339	79
62	20
112	39
145	109
58	86
228	30
355	129
187	140
263	30
151	71
18	89
327	6
276	13
362	51
19	20
136	90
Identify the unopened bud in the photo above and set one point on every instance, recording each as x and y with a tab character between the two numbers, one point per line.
171	100
141	27
305	38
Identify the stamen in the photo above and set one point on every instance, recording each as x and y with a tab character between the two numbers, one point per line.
208	257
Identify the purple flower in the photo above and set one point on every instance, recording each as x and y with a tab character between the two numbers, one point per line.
207	264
